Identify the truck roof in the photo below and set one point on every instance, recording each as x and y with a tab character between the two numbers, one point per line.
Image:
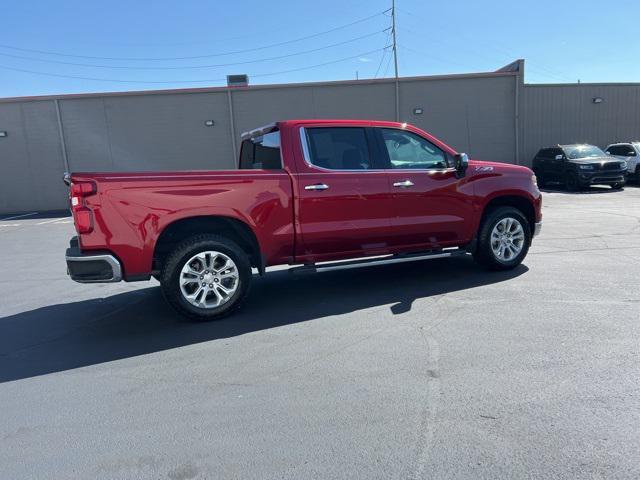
271	126
341	121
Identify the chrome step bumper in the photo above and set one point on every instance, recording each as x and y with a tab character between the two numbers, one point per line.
92	268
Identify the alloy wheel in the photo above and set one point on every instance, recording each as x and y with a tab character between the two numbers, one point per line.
507	239
209	279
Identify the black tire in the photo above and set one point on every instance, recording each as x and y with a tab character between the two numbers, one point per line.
540	180
618	186
182	253
484	254
571	182
637	175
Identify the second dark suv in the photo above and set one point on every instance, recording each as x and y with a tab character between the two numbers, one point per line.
578	166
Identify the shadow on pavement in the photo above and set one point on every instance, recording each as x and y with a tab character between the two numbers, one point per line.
66	336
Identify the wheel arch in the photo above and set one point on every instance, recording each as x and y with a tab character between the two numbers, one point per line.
229	227
521	202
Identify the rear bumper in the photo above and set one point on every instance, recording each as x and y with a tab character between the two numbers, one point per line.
92	268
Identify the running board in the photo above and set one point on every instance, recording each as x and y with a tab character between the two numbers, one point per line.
374	261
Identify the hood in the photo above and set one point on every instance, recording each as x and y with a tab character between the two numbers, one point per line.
481	166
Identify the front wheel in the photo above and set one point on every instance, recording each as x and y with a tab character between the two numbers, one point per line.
206	277
571	182
503	239
618	186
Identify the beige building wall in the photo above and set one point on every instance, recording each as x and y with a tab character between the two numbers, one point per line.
491	116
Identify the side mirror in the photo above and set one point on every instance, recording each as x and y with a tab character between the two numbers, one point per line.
461	162
559	157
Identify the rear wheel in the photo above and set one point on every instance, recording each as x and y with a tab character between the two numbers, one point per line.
618	186
540	179
206	277
637	174
503	239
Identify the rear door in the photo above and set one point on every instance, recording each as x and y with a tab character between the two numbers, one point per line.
432	208
541	162
344	205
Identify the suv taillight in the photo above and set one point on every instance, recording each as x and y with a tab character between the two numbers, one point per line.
82	215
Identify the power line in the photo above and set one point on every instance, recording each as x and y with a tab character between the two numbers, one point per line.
386	69
192	57
431	57
258	75
384	53
395	57
476	51
189	67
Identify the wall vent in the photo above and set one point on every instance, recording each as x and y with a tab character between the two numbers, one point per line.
237	80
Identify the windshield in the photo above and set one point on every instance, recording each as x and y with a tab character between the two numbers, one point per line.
582	151
637	145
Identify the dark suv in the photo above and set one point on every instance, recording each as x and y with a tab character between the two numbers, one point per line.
578	166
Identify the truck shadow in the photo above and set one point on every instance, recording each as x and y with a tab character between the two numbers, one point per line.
72	335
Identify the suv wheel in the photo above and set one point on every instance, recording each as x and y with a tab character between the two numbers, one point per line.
540	180
503	239
571	182
618	186
206	277
637	174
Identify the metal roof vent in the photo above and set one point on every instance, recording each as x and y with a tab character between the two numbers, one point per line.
237	80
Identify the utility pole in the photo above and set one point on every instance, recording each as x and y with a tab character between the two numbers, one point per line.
395	57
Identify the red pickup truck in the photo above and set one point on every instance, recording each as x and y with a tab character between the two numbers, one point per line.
310	192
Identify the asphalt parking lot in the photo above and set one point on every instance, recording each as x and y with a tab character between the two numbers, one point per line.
433	369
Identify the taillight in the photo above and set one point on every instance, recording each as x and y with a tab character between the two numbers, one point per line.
82	214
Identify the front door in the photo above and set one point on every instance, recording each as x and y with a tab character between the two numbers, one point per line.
344	203
432	208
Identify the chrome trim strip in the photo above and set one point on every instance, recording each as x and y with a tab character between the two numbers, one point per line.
307	159
305	146
110	259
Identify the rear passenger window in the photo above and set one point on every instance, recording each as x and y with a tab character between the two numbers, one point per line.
261	152
340	148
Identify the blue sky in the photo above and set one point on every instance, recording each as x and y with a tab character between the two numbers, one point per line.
159	44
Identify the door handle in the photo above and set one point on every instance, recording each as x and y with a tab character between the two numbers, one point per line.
317	186
405	184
